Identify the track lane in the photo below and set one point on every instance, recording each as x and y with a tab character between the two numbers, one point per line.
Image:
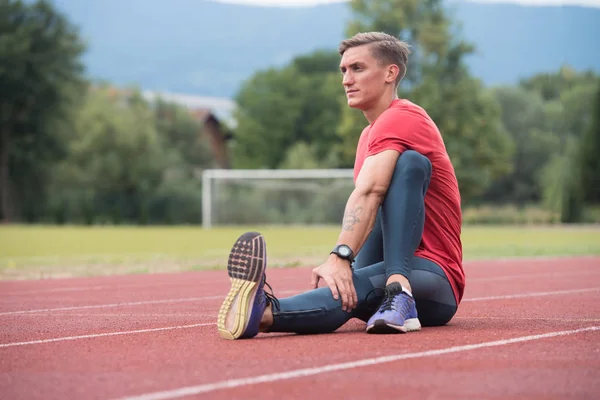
163	360
107	367
511	371
165	287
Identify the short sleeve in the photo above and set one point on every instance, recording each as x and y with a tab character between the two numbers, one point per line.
396	129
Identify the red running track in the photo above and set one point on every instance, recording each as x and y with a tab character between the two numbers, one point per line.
527	329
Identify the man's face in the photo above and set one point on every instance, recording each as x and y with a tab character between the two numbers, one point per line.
364	79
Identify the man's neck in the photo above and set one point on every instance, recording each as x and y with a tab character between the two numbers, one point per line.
383	104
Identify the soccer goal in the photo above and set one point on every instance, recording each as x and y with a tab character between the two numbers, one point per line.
275	197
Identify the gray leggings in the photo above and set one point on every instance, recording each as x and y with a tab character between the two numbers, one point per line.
394	238
316	311
434	297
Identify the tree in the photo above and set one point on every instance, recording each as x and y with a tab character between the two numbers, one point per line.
524	117
568	101
40	76
116	161
572	192
561	186
277	108
181	131
423	24
589	151
551	85
438	79
569	111
129	161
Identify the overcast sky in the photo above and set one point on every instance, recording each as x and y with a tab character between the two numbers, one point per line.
593	3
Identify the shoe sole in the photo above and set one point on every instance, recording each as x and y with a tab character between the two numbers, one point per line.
245	266
380	326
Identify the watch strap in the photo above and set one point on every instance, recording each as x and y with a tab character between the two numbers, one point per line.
344	252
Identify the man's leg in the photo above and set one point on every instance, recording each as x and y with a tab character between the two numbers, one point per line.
403	220
248	308
316	311
395	237
434	297
372	250
242	310
403	215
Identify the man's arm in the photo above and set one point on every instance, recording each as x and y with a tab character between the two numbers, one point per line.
359	218
361	209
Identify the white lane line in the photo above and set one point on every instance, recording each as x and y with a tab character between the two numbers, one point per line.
478	262
533	294
127	304
512	296
94	287
556	319
124	287
534	275
56	290
97	335
192	299
299	373
133	303
508	260
145	257
166	314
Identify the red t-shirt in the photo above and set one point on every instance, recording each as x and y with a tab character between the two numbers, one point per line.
406	126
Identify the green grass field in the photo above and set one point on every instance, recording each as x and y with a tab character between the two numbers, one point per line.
33	252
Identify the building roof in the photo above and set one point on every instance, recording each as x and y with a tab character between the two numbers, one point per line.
221	108
202	113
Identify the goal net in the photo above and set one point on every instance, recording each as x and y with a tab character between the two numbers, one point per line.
275	197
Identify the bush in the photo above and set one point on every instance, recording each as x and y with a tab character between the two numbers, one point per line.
509	215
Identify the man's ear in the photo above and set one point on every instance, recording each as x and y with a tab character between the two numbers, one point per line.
392	73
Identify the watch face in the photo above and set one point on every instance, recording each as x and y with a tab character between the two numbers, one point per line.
345	251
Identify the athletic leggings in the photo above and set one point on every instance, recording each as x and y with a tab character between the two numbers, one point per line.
389	249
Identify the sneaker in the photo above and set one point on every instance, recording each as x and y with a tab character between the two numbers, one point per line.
243	308
396	314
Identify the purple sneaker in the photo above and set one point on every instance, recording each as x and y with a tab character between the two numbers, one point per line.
243	308
396	314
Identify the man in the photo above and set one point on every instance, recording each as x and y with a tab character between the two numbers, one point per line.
403	220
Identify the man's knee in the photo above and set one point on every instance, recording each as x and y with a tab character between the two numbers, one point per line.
432	313
413	164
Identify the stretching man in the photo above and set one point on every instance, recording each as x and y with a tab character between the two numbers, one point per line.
402	221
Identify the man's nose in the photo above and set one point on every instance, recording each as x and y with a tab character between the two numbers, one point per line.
347	80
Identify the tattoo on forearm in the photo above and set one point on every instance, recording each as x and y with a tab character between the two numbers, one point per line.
351	218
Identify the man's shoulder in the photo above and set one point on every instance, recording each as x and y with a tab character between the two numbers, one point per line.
407	109
404	113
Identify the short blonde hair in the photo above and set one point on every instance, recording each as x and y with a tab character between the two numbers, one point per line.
385	48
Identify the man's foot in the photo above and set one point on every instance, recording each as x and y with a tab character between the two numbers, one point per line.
243	308
396	314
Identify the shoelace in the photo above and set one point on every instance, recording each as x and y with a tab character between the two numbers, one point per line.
373	306
271	297
387	303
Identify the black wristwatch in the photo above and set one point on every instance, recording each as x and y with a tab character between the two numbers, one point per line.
344	252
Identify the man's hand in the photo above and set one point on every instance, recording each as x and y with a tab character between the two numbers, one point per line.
337	274
359	217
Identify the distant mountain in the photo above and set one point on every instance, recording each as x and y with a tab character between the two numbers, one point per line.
207	48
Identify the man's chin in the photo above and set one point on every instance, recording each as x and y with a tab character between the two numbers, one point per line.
354	104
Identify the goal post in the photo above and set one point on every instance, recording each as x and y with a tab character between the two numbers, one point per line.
274	196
